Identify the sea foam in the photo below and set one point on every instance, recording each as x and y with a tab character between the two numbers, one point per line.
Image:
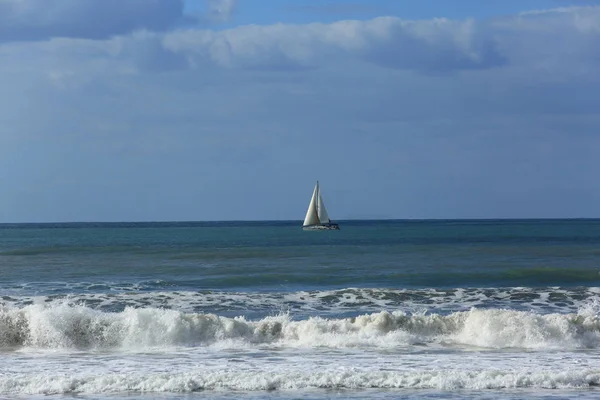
68	326
345	378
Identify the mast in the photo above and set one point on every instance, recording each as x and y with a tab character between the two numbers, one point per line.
317	200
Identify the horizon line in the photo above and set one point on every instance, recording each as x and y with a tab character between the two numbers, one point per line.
298	220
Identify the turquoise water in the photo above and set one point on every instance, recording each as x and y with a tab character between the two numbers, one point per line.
390	307
275	256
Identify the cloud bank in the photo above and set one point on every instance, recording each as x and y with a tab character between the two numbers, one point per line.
145	37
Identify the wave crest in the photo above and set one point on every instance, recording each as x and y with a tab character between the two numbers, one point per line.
71	326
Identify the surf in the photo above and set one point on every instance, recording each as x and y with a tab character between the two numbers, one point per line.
62	325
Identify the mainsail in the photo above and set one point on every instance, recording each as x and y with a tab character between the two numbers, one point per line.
321	210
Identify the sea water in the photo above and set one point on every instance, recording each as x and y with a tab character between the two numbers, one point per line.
489	309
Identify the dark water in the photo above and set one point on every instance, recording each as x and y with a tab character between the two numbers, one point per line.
280	256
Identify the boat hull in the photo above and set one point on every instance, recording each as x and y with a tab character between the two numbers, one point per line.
321	227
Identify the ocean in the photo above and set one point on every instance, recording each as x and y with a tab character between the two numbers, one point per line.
435	309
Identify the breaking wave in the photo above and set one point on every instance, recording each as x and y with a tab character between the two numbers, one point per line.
68	326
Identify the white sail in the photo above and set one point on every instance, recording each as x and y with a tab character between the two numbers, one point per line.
321	210
312	218
316	216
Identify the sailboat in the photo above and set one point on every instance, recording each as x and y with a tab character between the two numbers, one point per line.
316	216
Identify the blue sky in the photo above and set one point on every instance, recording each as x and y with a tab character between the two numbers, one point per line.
307	11
139	110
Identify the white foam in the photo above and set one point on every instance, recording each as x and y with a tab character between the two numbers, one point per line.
294	379
67	326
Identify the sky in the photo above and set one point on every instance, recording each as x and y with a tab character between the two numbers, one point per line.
173	110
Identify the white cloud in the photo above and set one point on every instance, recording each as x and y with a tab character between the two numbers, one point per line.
386	41
549	40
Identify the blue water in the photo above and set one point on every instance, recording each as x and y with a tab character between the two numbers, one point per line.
390	307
